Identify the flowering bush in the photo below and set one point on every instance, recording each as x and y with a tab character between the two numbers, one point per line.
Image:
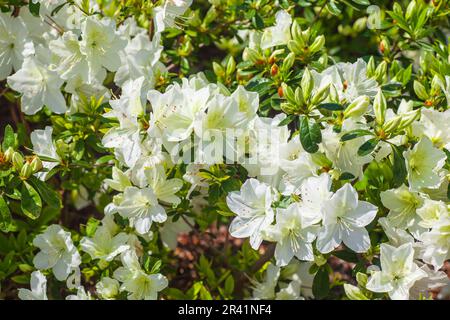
224	149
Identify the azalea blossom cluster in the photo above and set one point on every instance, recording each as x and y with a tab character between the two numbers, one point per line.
306	190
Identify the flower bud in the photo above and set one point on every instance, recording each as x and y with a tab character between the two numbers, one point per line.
288	62
288	93
317	45
294	47
380	71
321	95
296	32
379	107
274	70
307	84
358	107
218	70
9	154
334	95
251	55
408	118
36	164
420	90
384	47
26	171
17	160
392	124
231	66
370	71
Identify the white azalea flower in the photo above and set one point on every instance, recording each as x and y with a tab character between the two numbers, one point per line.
344	154
314	192
298	165
135	281
431	212
104	245
164	189
82	294
423	164
398	272
39	86
293	234
141	207
344	219
434	125
119	180
350	80
107	288
402	204
43	146
57	252
38	284
140	59
280	33
13	33
100	45
436	242
252	205
266	289
166	15
174	112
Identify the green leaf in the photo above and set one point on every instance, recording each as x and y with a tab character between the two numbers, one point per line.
346	176
367	147
287	120
34	8
355	134
310	135
321	283
31	203
399	166
23	278
331	106
10	139
346	256
258	21
51	197
5	215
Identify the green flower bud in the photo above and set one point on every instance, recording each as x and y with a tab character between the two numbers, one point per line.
358	107
392	124
294	47
307	84
288	62
9	154
334	95
380	72
26	171
296	32
288	93
408	118
36	164
379	107
420	90
231	66
218	70
17	160
321	95
251	55
289	108
370	71
299	97
317	45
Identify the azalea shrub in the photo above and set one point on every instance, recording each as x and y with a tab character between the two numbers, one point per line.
224	149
